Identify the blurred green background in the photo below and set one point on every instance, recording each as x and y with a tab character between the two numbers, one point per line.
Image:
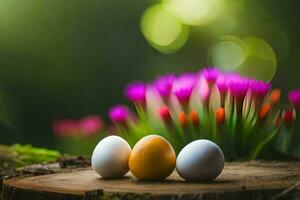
68	59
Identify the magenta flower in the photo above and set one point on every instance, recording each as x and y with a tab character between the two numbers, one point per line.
221	84
119	114
183	86
259	88
223	81
163	84
136	92
238	87
91	125
210	74
294	97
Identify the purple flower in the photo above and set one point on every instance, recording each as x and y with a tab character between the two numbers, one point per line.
259	88
163	84
294	97
210	74
136	92
119	114
183	86
238	87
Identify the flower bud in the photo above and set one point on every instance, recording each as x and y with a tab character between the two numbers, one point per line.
164	113
264	111
220	115
119	114
193	117
182	118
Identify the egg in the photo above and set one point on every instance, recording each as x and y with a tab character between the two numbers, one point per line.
152	158
110	157
200	160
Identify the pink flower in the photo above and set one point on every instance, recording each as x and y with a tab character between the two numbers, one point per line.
69	127
119	114
163	84
259	88
204	90
294	97
183	86
210	74
223	81
238	87
66	127
221	84
91	125
136	92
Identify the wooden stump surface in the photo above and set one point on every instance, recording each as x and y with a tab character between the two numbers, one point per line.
248	180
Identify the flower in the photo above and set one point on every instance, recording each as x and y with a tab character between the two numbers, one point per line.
264	110
220	115
259	88
238	87
210	74
230	103
119	114
66	127
223	81
288	116
163	84
274	96
193	117
183	86
182	118
136	92
294	97
221	84
90	125
164	113
204	90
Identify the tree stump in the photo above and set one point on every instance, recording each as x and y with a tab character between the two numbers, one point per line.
244	180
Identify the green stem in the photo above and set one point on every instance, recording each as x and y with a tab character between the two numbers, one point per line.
262	144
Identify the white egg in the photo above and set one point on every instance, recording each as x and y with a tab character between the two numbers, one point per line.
110	157
201	160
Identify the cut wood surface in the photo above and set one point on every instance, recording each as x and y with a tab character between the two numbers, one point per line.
248	180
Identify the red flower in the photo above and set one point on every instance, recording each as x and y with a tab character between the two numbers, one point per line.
164	113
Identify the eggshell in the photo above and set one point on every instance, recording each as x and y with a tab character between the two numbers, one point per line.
152	158
110	157
201	160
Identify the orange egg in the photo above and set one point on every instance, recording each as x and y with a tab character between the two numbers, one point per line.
152	158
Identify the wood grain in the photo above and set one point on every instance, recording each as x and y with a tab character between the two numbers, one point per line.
238	180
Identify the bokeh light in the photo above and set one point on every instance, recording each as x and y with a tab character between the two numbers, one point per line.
229	20
261	60
275	36
228	53
162	29
224	26
196	12
251	56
